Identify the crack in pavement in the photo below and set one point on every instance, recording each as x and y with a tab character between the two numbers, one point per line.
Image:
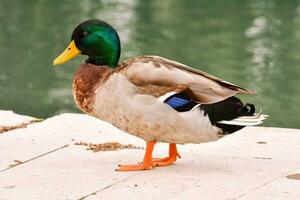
264	184
18	163
106	187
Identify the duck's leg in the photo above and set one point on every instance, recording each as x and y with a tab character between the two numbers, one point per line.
146	164
173	154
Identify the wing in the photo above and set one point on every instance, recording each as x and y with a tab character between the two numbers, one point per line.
160	72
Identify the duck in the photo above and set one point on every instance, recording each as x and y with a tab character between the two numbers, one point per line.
151	97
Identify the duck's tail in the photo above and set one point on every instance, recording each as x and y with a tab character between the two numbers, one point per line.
231	115
253	120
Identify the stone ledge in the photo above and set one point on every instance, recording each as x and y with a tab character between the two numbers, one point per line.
43	162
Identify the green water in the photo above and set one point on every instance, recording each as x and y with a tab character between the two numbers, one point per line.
253	43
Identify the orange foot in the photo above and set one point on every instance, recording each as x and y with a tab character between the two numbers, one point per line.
149	163
146	164
173	154
138	167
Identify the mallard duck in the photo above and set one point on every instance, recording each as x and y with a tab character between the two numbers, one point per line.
153	98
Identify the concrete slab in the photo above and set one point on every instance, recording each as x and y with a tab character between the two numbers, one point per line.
250	164
54	133
280	188
69	173
200	177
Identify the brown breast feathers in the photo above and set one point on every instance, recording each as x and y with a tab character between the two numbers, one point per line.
86	79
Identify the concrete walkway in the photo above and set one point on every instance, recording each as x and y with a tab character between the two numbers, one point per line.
42	161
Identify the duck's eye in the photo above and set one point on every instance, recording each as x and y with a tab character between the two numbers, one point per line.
85	33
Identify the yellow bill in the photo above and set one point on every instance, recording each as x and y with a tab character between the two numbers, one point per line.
70	52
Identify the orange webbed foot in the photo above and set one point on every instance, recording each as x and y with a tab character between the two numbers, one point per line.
164	162
173	154
145	165
149	162
138	167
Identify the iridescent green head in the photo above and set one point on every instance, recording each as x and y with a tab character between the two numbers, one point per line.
96	39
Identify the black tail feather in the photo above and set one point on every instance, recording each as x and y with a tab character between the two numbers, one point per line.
228	109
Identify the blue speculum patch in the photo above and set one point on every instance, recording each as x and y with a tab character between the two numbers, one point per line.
180	102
